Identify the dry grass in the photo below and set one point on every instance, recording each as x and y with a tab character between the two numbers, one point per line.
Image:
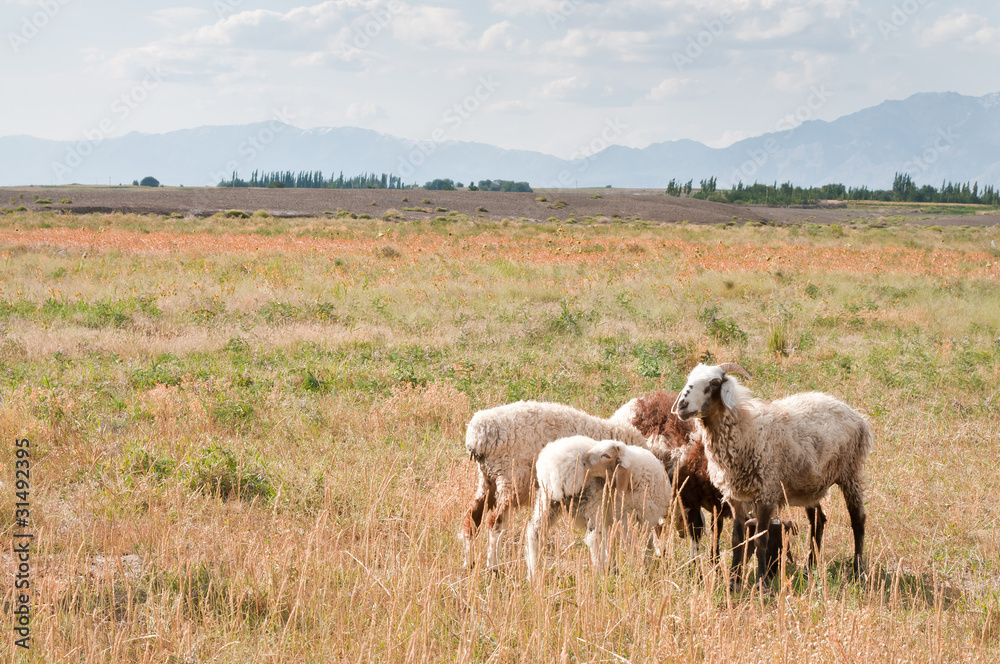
248	436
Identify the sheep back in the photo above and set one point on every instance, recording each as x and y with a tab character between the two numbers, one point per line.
525	427
559	468
813	440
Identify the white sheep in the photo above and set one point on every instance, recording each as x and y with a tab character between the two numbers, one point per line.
763	454
598	484
505	441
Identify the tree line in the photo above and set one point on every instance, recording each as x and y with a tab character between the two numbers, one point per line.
904	190
315	180
447	184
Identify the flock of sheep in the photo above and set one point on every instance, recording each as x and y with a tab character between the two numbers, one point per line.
711	447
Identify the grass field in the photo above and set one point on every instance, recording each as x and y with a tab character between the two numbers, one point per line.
247	434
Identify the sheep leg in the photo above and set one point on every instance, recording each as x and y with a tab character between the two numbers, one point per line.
482	502
739	546
854	498
817	522
541	521
762	544
598	544
495	524
789	530
775	542
719	523
696	528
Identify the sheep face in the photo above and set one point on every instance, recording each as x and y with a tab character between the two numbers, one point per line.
706	386
604	459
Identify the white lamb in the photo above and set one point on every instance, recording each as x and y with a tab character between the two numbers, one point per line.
505	441
599	484
762	454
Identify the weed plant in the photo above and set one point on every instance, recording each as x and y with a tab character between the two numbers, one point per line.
248	433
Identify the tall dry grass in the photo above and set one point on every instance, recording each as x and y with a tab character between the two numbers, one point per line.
248	434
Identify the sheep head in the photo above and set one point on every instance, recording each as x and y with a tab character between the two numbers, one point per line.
708	386
606	459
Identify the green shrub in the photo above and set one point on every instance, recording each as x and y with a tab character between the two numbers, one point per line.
279	312
141	462
219	473
723	329
777	339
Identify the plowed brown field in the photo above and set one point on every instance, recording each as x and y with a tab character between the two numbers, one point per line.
612	203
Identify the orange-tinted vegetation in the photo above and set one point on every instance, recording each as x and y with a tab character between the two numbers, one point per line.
247	434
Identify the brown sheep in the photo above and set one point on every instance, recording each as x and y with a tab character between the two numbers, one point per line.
682	453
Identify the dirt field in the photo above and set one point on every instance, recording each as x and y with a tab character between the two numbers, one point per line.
579	204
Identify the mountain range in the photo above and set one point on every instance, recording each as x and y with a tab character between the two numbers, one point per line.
931	136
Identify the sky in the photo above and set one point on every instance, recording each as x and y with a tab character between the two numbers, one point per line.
565	77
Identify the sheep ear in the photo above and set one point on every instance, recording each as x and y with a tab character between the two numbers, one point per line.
728	393
621	478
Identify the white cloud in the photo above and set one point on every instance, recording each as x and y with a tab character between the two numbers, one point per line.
790	21
962	29
564	87
624	45
528	7
675	87
431	28
502	37
336	33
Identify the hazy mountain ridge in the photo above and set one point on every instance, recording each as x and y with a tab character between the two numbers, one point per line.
933	136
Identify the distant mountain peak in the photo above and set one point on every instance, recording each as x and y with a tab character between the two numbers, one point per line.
990	101
933	136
